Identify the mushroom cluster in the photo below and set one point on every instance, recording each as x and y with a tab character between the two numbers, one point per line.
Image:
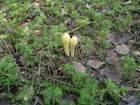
69	44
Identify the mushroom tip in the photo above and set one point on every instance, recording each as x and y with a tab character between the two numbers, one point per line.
74	40
66	35
73	43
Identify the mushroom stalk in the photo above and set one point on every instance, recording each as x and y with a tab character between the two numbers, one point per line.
73	43
66	42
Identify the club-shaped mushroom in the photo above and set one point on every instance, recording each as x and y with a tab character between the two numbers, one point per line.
66	42
73	43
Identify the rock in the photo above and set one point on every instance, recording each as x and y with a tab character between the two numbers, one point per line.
112	74
96	64
80	67
122	49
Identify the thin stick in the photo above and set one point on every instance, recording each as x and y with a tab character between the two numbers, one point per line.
131	89
65	83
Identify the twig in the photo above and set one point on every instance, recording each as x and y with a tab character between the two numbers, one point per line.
65	83
77	28
60	77
131	89
136	79
36	101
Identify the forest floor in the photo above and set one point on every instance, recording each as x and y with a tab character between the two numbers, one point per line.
34	69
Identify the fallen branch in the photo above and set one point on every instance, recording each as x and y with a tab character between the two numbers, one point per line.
131	89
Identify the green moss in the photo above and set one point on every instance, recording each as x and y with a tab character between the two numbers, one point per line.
129	67
8	71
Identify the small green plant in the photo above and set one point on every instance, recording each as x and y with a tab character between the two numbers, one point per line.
112	91
129	67
8	71
91	92
25	95
52	95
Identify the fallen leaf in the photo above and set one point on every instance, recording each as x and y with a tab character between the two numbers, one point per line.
96	64
124	38
80	67
111	53
122	49
119	38
112	74
136	53
112	57
114	38
112	60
